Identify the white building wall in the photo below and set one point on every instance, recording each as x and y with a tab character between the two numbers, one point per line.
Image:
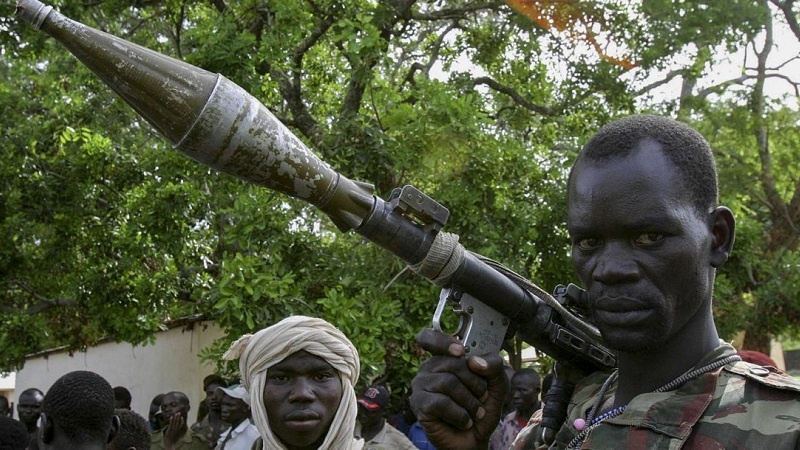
171	364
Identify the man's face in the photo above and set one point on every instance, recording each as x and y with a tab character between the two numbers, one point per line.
525	389
212	398
640	248
233	410
301	396
29	407
369	418
173	404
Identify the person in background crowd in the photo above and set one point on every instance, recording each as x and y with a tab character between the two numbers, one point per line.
13	434
175	434
122	398
154	418
5	409
29	407
525	387
403	419
648	236
376	432
211	424
235	409
418	437
133	434
78	413
300	374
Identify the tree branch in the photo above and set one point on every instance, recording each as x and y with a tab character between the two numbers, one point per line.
667	78
44	302
791	16
456	13
514	95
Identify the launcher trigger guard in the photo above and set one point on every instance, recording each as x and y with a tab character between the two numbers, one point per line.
481	329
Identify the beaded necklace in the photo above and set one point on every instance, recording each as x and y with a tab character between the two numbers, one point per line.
585	426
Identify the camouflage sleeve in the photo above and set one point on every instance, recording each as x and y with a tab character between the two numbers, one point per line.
753	407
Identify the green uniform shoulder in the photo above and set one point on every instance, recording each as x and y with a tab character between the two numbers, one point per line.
765	375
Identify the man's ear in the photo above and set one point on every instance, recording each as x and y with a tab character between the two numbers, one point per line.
46	429
723	228
112	433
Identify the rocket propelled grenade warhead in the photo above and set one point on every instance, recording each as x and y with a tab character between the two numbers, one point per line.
208	117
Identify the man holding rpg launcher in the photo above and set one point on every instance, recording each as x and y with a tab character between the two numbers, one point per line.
647	237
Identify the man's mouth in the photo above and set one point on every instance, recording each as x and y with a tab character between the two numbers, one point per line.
302	416
620	310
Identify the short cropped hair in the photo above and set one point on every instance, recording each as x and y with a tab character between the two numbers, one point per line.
687	149
122	395
82	404
531	373
32	391
13	434
214	379
133	431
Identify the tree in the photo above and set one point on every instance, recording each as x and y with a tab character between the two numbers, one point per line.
108	233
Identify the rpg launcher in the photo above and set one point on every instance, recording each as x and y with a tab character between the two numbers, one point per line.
214	121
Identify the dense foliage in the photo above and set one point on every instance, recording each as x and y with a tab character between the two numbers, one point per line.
106	232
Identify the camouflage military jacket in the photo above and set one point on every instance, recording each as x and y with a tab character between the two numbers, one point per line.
739	406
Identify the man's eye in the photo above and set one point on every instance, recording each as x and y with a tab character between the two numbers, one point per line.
588	243
324	376
277	379
649	238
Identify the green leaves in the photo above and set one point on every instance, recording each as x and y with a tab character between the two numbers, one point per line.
106	232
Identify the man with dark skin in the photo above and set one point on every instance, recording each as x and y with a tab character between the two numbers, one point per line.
5	409
133	433
241	433
13	435
122	398
300	374
307	380
524	390
647	237
374	429
78	413
29	407
176	435
212	425
154	419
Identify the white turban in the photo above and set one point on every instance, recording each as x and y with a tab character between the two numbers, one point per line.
258	352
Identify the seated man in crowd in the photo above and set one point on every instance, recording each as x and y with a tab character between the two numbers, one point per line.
78	413
376	432
176	435
300	374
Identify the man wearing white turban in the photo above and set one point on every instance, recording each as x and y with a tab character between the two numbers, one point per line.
300	374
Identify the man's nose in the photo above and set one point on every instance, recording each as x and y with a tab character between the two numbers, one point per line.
615	265
302	390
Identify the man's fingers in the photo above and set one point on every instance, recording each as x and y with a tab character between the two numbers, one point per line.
446	388
438	343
